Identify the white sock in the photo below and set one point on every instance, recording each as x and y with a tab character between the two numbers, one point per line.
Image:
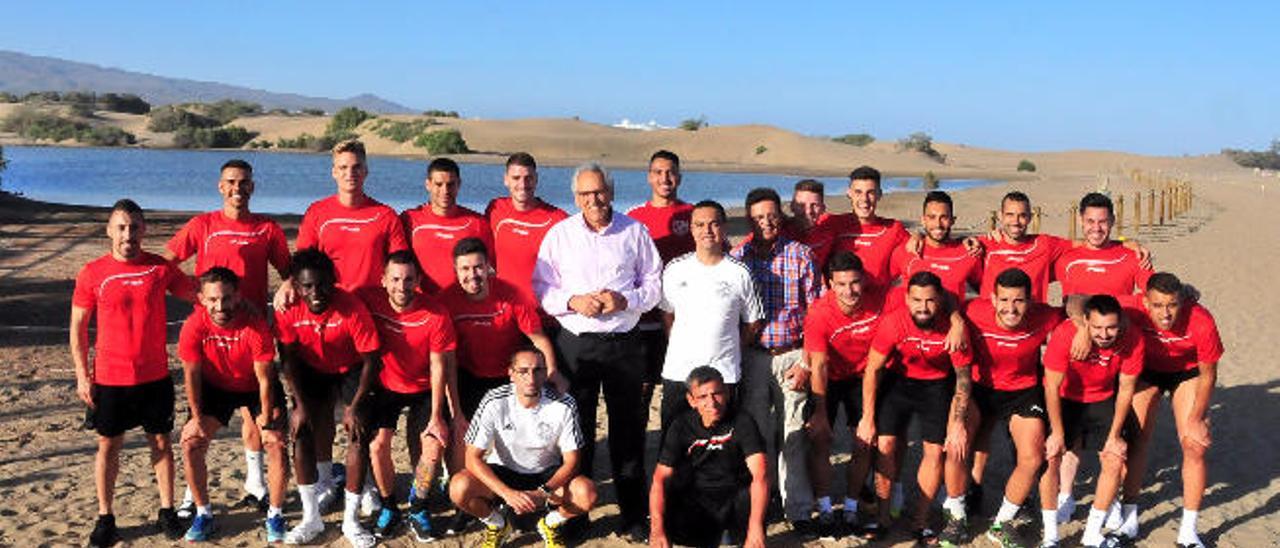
1114	516
204	511
494	519
554	518
1050	519
1093	527
850	506
253	466
1129	520
1006	512
824	505
324	473
310	503
1063	498
1187	530
186	497
350	508
274	511
954	506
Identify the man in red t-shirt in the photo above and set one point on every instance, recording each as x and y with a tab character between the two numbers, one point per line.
329	349
871	237
226	350
1101	266
354	230
1089	405
519	221
837	336
667	217
246	243
941	254
1009	328
127	383
1010	246
418	345
927	382
1182	353
435	227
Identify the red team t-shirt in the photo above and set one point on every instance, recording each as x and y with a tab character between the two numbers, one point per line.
434	236
1009	359
951	262
669	227
843	338
517	235
128	299
245	246
920	352
1112	270
333	341
408	339
1036	258
873	242
358	239
1094	378
226	354
1193	340
489	330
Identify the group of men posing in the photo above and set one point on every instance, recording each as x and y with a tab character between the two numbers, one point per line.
496	334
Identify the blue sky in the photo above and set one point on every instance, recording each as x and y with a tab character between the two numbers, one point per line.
1151	77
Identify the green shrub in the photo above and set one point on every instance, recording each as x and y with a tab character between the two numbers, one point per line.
930	181
347	120
306	141
1259	159
401	131
761	149
313	111
33	124
83	110
855	139
226	110
172	118
921	142
127	103
1026	165
42	97
444	141
441	113
694	124
105	136
6	97
218	137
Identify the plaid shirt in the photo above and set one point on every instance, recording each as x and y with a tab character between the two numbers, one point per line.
788	283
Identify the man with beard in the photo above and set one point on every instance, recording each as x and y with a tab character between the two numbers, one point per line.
435	227
946	257
519	222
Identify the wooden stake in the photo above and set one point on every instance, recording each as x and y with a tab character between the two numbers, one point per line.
1072	221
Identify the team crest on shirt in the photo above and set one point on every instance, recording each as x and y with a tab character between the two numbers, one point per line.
713	443
680	227
545	432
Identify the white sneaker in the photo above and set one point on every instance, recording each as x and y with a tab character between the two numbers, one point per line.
370	501
304	533
257	489
187	509
357	536
1065	509
328	495
1115	517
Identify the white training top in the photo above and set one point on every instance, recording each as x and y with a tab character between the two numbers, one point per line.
523	439
710	304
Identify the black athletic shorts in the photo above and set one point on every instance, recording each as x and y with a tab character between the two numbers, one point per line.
221	404
928	401
846	393
699	517
1089	423
521	481
1000	405
472	389
120	408
388	404
653	345
1168	382
318	385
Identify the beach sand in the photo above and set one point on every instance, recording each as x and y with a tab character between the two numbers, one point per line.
1222	245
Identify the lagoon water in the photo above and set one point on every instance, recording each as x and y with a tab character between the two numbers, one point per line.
287	183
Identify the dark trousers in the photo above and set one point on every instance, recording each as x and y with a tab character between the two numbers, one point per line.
615	364
698	517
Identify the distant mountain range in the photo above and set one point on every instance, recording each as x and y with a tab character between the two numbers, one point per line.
21	73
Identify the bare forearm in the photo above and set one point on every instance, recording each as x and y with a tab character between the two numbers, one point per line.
263	371
960	402
191	384
1204	390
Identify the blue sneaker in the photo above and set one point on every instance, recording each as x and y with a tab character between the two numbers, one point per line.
388	522
201	528
420	522
276	529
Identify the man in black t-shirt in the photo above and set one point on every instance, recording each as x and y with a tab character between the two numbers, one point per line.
710	476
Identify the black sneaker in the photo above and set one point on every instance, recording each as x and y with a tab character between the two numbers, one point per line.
827	528
170	524
804	529
955	531
104	532
388	522
973	500
637	533
459	523
250	500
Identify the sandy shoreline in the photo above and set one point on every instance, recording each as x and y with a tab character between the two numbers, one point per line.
1223	245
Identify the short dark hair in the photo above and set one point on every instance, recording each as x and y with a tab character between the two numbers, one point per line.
467	246
762	194
129	207
668	156
311	258
1015	196
1165	282
703	374
521	349
236	163
405	257
522	159
924	278
1014	277
443	164
939	197
220	274
865	173
811	185
843	261
720	213
1104	305
1097	199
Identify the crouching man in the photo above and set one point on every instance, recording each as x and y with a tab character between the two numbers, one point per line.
710	479
522	452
